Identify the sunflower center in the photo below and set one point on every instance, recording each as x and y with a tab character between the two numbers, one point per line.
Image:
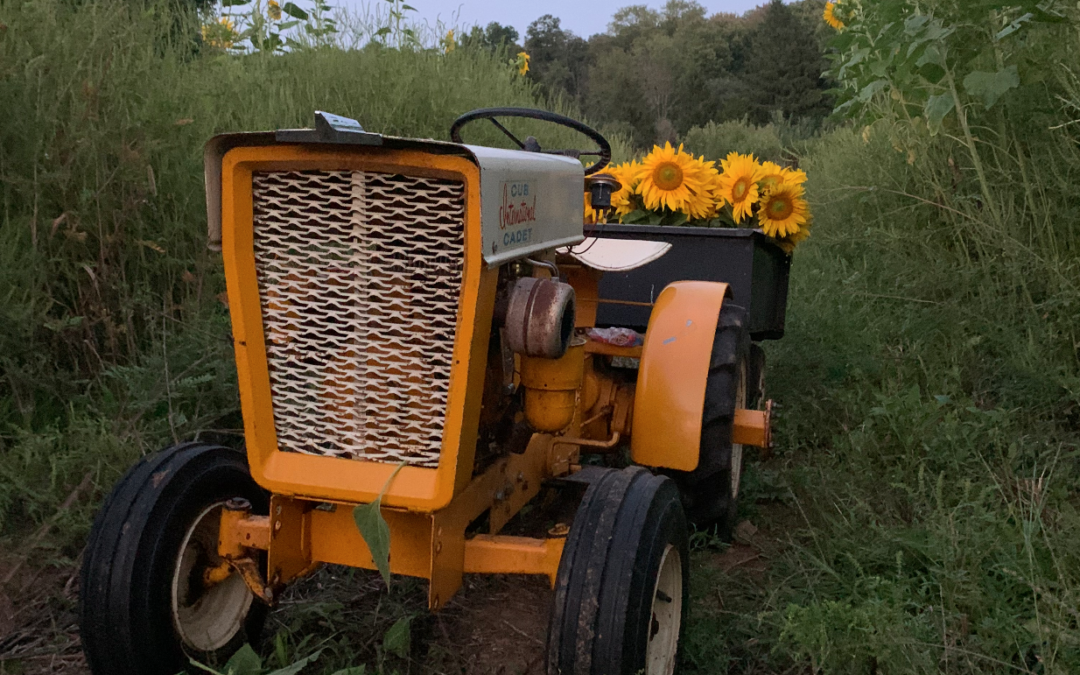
780	208
740	188
667	176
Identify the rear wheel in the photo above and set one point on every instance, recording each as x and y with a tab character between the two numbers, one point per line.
146	602
711	491
621	591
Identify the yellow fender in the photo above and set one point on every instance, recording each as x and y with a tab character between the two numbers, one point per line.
670	396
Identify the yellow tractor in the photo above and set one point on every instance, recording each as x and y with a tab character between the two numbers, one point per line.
420	326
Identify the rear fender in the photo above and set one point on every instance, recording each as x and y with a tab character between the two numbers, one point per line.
670	396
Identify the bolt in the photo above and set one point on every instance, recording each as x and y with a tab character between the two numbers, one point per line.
238	504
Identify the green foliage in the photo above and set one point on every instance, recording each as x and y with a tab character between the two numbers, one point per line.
716	139
495	37
398	640
113	339
656	74
246	662
373	528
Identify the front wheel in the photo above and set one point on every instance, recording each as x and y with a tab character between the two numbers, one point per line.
621	592
147	604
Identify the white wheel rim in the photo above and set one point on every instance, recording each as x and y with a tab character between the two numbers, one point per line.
666	615
206	619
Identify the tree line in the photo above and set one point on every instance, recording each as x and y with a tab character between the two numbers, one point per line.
655	74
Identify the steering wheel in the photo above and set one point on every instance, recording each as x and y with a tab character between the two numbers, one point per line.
530	144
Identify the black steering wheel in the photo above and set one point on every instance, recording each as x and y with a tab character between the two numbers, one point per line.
530	144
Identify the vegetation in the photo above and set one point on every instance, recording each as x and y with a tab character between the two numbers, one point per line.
920	514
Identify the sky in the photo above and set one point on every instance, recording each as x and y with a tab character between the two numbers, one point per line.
583	17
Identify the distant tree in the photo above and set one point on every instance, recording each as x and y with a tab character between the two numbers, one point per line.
558	57
784	65
493	37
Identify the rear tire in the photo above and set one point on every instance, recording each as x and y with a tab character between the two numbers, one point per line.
711	491
144	608
621	593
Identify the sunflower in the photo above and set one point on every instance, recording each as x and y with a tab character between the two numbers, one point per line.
772	175
783	210
789	242
830	16
672	179
622	200
273	10
738	184
707	207
523	63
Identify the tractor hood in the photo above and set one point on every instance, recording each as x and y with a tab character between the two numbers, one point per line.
529	202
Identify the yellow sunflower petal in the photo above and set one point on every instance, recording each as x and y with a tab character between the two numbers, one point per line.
830	16
738	184
672	179
783	211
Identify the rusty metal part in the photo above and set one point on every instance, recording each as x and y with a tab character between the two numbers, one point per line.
753	427
593	347
252	576
551	267
240	534
241	531
586	283
551	387
540	317
303	534
213	576
497	554
588	442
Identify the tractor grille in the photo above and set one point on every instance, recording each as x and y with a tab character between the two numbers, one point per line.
359	276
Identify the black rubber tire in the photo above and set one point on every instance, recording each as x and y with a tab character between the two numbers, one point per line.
125	599
601	620
706	491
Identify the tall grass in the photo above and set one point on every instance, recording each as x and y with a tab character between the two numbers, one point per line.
924	492
930	391
109	300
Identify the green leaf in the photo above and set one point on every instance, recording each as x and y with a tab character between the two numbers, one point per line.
375	531
869	90
937	107
244	662
233	3
288	24
298	666
408	8
295	12
382	32
932	54
991	86
399	638
355	670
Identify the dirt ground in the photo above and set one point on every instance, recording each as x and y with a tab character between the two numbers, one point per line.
496	625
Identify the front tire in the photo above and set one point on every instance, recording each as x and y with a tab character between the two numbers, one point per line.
145	608
621	592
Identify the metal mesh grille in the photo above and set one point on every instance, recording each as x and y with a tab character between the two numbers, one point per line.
359	277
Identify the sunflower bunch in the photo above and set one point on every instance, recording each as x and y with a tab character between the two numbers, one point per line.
672	187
